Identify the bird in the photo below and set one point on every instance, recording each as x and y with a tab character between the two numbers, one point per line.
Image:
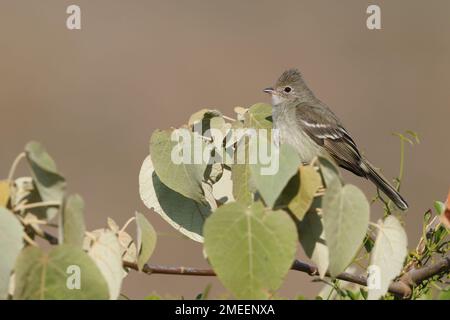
313	129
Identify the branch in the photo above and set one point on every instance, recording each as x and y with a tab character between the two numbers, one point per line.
401	288
157	269
415	277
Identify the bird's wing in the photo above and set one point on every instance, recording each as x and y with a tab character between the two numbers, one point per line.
324	128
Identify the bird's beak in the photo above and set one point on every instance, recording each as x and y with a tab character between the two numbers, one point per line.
269	90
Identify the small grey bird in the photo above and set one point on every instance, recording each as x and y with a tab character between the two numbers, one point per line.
312	128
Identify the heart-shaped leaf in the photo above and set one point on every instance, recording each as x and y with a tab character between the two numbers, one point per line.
66	272
387	258
345	218
251	249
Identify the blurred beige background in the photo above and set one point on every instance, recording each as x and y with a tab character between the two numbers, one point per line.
94	96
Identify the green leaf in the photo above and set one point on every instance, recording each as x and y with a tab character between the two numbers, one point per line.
271	185
444	295
104	248
11	234
146	239
72	221
241	176
183	178
328	170
388	255
243	187
49	182
309	181
4	193
242	184
250	249
51	275
345	218
368	243
184	214
439	207
259	116
363	293
312	239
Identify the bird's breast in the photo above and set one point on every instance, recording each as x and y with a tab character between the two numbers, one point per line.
293	134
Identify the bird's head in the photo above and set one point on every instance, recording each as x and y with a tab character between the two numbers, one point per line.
289	87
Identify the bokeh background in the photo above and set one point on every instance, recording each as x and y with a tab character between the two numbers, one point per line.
94	96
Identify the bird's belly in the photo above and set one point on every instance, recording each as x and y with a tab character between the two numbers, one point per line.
306	147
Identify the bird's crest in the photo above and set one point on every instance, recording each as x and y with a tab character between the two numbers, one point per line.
289	77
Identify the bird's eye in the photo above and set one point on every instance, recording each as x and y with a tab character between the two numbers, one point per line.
287	89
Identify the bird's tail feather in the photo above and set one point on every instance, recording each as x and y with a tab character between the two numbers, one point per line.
385	186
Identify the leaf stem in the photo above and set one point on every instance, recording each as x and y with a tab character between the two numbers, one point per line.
127	224
13	168
38	205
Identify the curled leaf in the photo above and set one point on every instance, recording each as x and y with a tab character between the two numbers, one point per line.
72	221
146	236
184	214
49	182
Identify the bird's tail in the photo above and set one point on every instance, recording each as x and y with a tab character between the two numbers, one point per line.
385	186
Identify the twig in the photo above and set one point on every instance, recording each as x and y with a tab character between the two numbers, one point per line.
14	167
401	288
157	269
127	223
38	205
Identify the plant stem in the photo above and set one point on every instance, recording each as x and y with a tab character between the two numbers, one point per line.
13	169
